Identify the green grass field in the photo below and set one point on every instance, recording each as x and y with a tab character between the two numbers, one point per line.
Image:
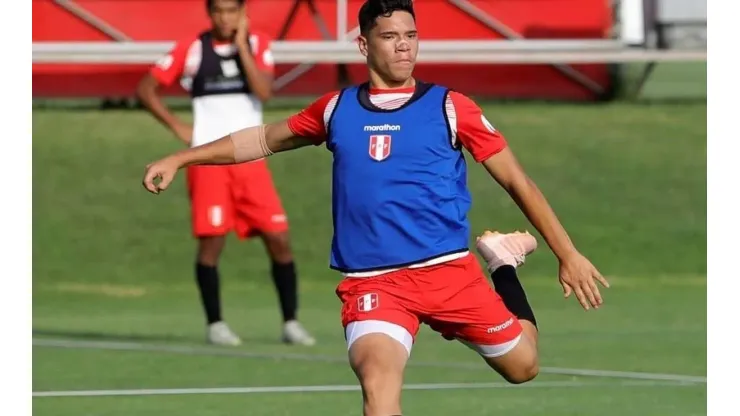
115	305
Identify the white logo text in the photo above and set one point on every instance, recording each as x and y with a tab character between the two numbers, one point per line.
384	127
501	327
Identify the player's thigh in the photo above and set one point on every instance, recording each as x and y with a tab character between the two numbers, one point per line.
379	362
256	201
211	205
379	329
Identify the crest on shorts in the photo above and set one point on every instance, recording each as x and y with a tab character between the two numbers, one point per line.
368	302
216	216
380	146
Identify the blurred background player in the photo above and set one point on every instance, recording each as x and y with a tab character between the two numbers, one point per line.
228	71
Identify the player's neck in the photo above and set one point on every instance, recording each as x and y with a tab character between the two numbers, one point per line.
379	84
217	38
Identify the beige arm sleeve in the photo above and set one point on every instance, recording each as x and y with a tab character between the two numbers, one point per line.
250	144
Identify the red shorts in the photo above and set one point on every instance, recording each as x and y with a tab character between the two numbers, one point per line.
240	198
453	298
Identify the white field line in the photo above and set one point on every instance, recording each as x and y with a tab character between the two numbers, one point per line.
342	388
215	351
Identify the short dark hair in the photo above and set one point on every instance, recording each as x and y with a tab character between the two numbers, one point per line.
209	3
372	9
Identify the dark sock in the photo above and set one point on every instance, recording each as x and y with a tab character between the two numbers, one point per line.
284	276
208	285
512	293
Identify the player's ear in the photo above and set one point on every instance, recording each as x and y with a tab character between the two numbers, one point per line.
362	45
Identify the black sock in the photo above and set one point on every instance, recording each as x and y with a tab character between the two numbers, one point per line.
208	285
284	276
512	293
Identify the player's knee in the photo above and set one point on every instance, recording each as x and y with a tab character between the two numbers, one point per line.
373	383
526	371
278	245
381	392
209	250
380	388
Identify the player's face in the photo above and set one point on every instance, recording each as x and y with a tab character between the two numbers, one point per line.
391	47
225	15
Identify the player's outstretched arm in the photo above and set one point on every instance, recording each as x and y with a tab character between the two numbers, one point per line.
577	274
506	170
245	145
488	146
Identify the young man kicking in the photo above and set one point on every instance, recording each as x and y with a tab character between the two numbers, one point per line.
399	204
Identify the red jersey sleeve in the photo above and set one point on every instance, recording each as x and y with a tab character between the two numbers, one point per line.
474	131
260	44
170	67
311	121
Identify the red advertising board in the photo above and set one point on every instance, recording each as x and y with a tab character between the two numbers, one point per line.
169	20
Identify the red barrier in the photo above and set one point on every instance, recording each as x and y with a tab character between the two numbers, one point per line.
437	19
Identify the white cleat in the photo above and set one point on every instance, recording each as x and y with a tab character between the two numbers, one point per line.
294	333
220	334
505	249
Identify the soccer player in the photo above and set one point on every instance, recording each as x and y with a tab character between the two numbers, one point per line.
400	204
228	71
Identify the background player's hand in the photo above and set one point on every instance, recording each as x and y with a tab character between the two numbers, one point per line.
578	275
242	32
184	132
160	174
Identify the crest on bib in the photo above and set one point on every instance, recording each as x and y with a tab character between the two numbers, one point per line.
380	147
